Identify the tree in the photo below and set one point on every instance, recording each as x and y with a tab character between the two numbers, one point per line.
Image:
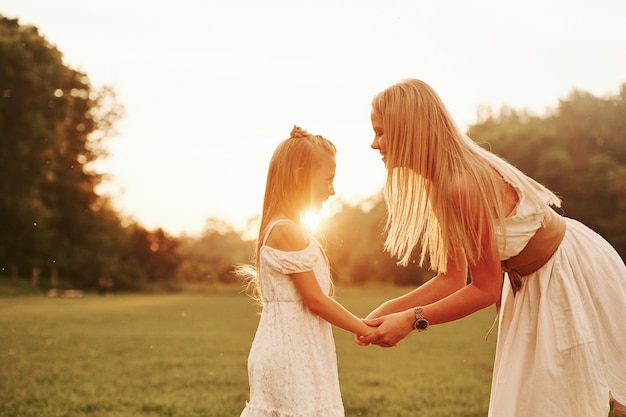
52	124
212	257
354	238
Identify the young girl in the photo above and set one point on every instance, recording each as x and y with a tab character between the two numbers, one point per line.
561	348
292	366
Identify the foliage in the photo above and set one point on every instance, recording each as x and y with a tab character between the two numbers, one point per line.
577	150
354	238
211	258
53	124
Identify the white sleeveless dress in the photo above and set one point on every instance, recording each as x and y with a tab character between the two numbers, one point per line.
561	348
292	365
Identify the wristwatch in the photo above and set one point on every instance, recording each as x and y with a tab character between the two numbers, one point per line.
421	324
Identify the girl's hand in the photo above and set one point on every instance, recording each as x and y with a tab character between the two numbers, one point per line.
370	329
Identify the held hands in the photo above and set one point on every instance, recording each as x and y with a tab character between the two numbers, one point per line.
368	332
389	330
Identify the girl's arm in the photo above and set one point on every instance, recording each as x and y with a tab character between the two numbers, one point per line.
288	237
326	307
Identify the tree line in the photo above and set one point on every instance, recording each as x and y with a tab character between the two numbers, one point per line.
57	229
53	223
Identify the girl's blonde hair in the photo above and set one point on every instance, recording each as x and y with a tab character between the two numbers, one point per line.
442	189
288	186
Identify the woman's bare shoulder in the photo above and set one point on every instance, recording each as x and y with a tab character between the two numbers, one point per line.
459	187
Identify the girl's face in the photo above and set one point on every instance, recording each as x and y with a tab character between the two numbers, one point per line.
322	179
379	142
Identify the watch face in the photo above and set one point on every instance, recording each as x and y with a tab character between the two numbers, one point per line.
421	324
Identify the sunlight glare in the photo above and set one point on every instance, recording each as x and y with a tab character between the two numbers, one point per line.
311	219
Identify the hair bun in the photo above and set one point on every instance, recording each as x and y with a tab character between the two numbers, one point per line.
298	132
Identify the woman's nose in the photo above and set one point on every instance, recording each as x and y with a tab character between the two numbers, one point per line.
374	144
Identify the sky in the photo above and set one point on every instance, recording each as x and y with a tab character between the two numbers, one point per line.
211	87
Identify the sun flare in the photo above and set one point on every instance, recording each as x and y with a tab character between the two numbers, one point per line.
311	220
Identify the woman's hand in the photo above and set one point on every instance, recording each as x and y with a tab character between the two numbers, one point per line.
391	329
377	312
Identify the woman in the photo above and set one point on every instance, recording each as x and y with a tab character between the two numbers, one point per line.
561	345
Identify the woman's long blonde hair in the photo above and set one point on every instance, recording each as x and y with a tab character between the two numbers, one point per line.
288	187
442	189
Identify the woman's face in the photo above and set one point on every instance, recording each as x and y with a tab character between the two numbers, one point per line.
322	179
379	142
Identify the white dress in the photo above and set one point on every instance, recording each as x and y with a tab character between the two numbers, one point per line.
561	348
292	365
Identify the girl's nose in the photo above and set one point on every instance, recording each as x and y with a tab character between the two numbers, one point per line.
374	144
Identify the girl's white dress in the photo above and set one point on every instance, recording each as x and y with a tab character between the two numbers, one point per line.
561	348
292	365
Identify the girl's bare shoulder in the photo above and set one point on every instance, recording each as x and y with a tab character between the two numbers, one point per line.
287	236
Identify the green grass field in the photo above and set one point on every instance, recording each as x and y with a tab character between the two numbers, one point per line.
185	355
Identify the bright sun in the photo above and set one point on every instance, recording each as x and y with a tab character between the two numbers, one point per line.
311	220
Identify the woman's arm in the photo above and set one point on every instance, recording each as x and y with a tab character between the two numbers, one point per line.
440	286
483	291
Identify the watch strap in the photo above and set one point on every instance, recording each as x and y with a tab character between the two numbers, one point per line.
421	324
